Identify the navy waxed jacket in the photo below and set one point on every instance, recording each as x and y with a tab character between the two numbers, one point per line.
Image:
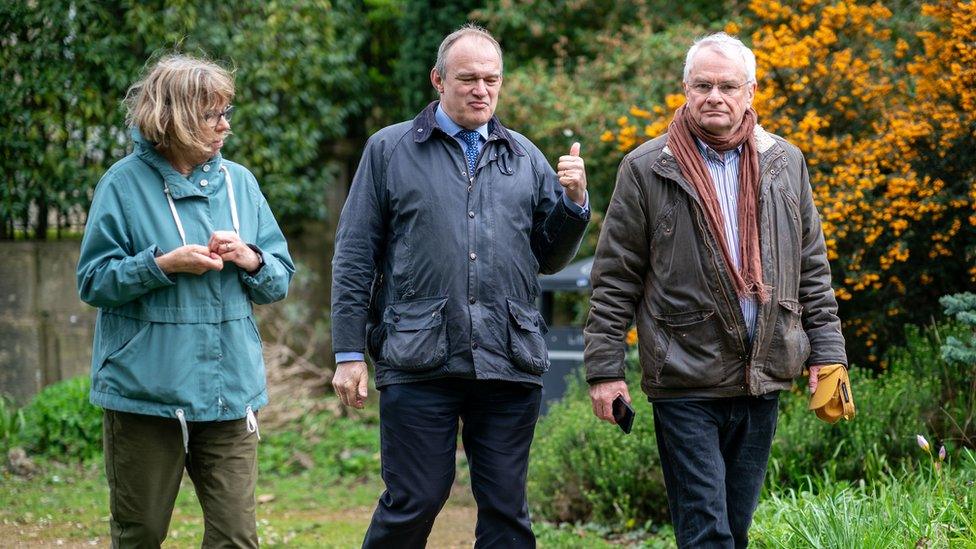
435	271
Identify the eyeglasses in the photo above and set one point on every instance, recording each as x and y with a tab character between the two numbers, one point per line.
725	88
213	118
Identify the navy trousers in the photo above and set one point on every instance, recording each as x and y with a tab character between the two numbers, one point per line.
418	443
714	455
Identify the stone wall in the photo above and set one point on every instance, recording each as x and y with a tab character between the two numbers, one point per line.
45	330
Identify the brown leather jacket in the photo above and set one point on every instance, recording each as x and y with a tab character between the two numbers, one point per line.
656	262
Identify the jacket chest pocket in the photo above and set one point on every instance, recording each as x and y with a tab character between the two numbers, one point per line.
415	336
526	338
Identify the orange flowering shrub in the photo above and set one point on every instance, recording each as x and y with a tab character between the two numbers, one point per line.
884	109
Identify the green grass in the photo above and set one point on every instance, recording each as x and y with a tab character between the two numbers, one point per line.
70	503
926	508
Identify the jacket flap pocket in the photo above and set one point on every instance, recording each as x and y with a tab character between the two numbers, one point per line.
684	319
792	305
526	316
419	314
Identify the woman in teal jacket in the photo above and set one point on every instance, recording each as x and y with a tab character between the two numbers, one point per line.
179	243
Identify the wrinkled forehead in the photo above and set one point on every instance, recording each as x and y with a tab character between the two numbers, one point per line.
473	54
711	62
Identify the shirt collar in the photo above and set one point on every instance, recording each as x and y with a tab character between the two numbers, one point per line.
711	153
451	128
425	123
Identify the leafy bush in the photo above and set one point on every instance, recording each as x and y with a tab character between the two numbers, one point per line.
60	422
914	396
582	469
66	65
346	447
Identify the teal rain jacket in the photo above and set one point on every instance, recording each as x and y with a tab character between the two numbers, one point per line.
180	345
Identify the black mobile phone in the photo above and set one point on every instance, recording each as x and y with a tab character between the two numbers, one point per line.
623	414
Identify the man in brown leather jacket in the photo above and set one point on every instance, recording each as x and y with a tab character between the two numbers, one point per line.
713	245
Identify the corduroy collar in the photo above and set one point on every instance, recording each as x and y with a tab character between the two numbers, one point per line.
425	124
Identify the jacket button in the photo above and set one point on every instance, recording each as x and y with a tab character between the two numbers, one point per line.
469	188
471	215
396	318
474	344
203	182
472	300
206	167
473	256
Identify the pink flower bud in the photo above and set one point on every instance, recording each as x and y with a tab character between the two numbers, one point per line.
922	443
942	453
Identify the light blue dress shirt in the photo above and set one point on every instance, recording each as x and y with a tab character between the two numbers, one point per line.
724	170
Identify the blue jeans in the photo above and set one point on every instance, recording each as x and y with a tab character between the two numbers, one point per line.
714	455
418	442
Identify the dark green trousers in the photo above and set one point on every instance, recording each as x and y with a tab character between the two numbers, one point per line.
144	464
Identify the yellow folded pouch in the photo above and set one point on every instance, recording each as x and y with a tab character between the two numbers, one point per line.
833	398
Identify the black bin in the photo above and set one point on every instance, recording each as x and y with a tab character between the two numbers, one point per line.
565	337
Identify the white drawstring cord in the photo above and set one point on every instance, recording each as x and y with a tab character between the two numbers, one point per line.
230	199
186	432
252	423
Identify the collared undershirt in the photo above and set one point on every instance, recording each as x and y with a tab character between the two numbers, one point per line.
725	175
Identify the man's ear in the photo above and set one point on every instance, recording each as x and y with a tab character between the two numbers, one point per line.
435	80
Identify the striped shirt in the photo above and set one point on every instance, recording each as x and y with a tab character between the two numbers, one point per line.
725	175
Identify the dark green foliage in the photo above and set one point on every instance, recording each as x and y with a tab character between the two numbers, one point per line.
61	424
574	28
586	470
422	26
337	448
65	66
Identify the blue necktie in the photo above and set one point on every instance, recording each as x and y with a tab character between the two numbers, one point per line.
473	140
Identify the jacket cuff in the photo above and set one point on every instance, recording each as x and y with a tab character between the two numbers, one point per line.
579	211
573	211
260	277
149	273
605	367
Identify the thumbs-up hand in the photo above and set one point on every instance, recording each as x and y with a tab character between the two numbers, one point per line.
572	175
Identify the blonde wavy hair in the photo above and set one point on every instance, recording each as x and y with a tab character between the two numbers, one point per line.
169	104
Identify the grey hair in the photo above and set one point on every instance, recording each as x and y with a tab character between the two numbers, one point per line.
469	29
169	103
730	47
